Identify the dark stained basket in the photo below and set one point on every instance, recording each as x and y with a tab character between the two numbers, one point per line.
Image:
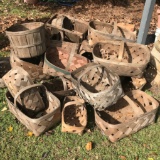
123	58
42	121
61	27
27	39
97	85
100	31
131	113
4	68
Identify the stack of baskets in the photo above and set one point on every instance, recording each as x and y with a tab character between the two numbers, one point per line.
96	75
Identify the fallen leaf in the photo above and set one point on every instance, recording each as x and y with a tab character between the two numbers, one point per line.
10	128
150	159
30	134
4	109
89	146
122	157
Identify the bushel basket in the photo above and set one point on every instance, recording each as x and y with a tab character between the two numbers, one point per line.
28	39
131	113
43	120
97	85
74	115
100	31
4	68
60	27
123	58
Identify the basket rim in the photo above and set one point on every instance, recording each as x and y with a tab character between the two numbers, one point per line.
24	32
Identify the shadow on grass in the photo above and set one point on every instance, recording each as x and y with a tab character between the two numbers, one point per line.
4	41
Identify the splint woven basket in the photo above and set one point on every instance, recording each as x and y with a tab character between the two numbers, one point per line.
74	115
15	80
58	62
66	28
27	39
99	31
43	120
124	58
97	85
4	68
34	66
131	113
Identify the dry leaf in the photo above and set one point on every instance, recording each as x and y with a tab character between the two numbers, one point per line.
4	109
30	134
150	159
89	146
122	157
10	128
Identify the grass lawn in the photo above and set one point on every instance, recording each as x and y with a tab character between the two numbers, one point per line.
17	143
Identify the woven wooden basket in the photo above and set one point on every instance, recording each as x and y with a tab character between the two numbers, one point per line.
125	59
43	120
97	85
99	31
61	27
34	66
4	68
131	113
15	80
27	39
58	62
74	115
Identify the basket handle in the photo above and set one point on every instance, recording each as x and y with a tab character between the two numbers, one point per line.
24	89
121	51
136	109
71	56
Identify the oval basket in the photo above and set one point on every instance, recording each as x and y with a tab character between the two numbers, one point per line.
99	31
4	68
131	113
27	39
74	115
123	58
15	80
58	62
34	66
97	85
43	120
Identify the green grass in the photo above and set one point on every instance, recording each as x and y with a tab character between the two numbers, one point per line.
142	145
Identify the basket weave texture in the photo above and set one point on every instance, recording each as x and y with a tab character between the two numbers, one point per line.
97	85
58	62
15	80
130	114
74	115
43	120
66	28
125	59
34	66
99	31
28	39
4	68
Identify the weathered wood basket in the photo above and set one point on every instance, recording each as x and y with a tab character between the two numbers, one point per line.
58	62
124	58
97	85
34	66
27	39
15	80
74	115
99	31
131	113
61	27
4	68
43	120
